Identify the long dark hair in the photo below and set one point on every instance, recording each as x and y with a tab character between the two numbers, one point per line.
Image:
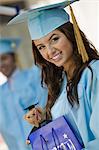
53	75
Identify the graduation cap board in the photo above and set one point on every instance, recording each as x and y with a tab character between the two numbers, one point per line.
34	11
42	20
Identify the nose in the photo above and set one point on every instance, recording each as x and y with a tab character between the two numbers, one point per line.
50	51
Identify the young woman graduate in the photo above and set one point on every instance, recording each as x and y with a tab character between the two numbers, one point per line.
70	71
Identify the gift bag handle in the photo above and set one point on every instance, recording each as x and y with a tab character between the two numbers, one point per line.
55	137
43	141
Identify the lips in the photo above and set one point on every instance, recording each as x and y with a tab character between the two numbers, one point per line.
57	56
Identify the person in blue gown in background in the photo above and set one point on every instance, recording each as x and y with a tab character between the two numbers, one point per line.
70	69
18	93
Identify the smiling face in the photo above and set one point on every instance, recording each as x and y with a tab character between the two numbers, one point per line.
7	64
55	48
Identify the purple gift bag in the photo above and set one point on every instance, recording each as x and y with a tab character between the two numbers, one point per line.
56	135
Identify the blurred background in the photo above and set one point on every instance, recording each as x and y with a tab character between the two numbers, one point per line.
86	12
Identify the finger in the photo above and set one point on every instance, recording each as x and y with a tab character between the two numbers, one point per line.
27	142
24	117
30	114
40	110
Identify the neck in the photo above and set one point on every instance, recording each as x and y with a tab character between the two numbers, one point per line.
69	68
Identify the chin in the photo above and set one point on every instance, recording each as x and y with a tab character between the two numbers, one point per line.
58	65
7	74
4	73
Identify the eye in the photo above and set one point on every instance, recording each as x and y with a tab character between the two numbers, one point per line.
55	39
41	48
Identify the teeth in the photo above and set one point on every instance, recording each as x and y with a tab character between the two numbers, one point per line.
56	56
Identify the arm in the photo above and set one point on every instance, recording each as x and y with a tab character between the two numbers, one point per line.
33	92
92	90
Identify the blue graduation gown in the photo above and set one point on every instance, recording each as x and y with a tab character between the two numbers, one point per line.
15	95
83	119
41	93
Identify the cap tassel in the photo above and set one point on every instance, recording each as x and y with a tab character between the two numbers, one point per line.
80	44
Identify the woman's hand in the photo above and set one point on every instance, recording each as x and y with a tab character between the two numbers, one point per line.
35	116
27	142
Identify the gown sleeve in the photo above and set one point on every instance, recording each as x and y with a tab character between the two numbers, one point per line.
92	91
33	93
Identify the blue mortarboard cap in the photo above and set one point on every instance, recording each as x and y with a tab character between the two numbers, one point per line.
43	20
9	45
46	21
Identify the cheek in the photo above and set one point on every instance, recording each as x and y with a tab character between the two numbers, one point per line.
69	52
67	49
44	54
7	62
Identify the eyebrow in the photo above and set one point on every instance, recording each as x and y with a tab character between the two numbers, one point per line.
52	36
48	39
